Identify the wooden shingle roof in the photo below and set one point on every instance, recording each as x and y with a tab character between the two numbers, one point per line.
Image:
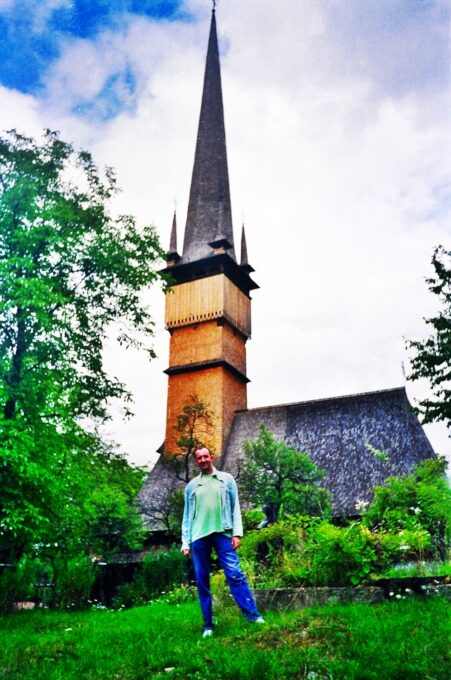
336	433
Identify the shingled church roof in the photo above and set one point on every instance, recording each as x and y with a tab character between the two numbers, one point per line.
335	432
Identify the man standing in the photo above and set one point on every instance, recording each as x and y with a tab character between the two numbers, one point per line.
212	519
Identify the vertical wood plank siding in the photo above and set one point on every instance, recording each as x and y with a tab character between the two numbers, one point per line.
213	297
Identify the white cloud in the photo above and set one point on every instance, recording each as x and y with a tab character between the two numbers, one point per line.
338	155
20	111
41	10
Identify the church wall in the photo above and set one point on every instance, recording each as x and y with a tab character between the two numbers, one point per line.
233	348
195	343
207	342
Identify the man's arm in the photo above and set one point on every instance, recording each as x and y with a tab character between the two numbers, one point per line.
237	522
185	526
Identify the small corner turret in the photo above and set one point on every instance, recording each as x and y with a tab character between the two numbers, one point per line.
172	256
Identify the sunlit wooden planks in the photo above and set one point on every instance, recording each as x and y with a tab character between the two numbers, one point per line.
213	297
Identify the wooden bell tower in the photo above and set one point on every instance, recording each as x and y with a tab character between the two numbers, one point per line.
208	312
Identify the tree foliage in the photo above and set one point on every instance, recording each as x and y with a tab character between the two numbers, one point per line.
432	357
274	473
69	271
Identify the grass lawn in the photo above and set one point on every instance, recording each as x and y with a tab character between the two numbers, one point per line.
401	639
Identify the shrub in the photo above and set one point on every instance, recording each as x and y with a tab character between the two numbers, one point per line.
163	569
339	556
251	519
16	584
304	551
73	579
159	573
418	502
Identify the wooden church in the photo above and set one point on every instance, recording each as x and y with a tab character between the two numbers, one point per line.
208	316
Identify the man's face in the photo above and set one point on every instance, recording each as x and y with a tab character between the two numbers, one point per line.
204	460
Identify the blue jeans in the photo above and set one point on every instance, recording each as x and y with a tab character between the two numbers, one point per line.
228	559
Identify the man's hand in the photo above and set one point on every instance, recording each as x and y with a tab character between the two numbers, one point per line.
236	542
185	551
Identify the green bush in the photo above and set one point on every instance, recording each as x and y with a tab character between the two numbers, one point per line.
418	502
159	573
303	551
252	518
16	584
73	580
131	594
339	556
163	569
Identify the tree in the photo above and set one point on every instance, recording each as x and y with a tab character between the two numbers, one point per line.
96	514
164	508
194	424
432	358
69	273
274	473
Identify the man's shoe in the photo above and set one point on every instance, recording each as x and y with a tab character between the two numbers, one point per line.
207	633
260	620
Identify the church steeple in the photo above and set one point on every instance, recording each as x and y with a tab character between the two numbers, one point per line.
208	310
209	216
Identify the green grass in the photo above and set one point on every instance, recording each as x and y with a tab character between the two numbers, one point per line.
405	639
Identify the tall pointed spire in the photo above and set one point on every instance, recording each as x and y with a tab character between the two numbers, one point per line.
209	218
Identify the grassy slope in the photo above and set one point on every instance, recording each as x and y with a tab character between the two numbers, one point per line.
403	639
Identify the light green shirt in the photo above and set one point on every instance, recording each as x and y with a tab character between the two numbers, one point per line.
208	516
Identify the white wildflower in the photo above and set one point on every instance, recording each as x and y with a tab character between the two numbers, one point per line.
361	505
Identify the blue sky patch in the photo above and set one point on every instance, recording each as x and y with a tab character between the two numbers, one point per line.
117	95
30	44
84	18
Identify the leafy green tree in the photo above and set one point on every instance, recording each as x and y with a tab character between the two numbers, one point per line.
274	473
420	500
69	273
432	358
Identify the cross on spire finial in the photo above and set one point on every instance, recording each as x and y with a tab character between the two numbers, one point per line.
214	5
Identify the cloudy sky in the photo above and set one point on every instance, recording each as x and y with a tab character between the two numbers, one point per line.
339	135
